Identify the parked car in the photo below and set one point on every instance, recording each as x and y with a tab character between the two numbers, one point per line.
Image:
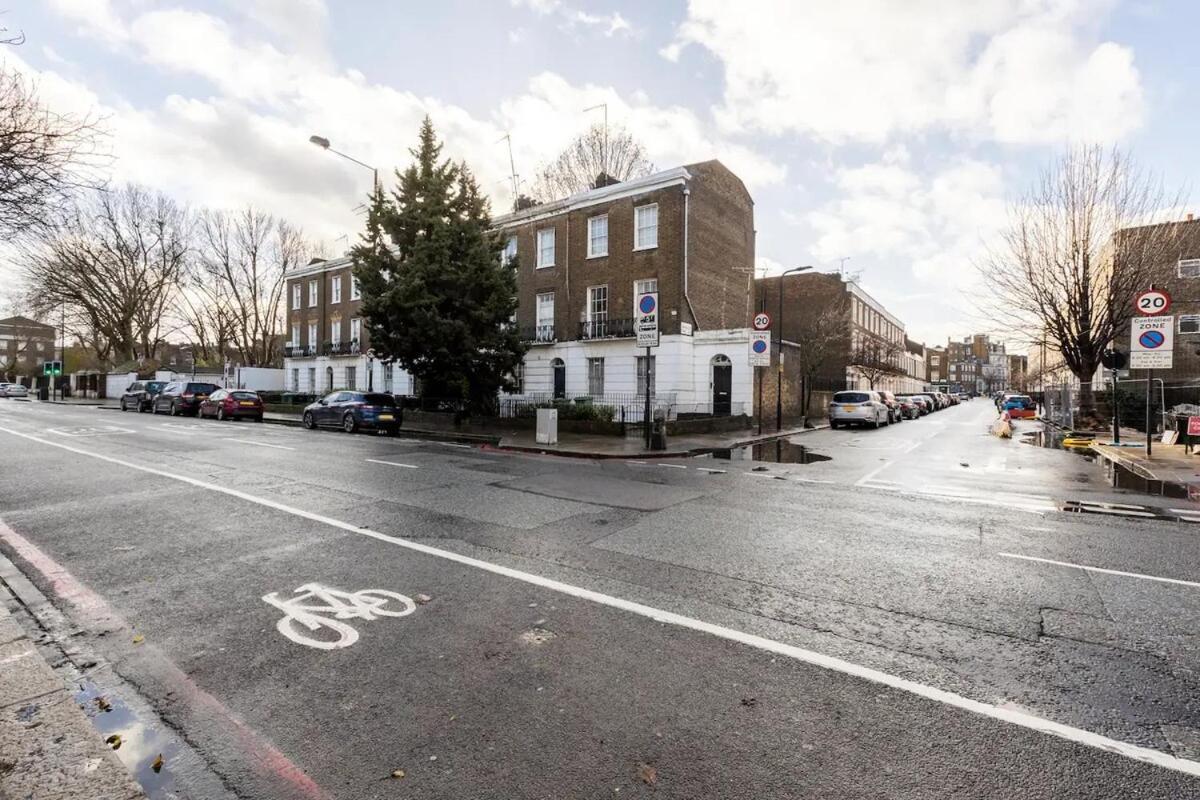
963	397
910	407
857	408
932	400
182	397
352	411
1020	406
140	395
14	390
232	404
893	405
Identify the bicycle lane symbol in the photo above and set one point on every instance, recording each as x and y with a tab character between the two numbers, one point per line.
314	617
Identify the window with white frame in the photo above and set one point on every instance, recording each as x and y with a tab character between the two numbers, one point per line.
510	251
641	375
312	379
518	378
388	378
335	330
295	296
355	290
335	289
597	311
545	243
644	286
595	376
356	330
544	326
312	294
295	335
598	236
645	227
312	337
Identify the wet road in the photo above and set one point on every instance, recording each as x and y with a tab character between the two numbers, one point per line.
906	619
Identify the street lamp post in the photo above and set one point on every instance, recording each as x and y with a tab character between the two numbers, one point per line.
779	367
323	143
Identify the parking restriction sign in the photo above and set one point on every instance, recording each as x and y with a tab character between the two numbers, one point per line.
1151	342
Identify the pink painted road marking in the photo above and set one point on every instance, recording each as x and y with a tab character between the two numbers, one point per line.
268	760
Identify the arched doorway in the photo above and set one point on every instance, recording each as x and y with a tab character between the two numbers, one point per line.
722	385
329	379
559	370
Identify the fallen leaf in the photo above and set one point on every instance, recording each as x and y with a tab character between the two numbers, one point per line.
158	762
397	773
647	774
139	639
114	741
422	599
103	704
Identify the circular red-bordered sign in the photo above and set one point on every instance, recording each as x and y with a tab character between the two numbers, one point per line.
762	321
1152	302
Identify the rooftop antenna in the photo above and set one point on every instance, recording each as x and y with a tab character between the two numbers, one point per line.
604	146
512	166
842	268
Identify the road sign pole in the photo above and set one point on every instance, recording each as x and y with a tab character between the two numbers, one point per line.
1116	404
758	374
1149	393
646	418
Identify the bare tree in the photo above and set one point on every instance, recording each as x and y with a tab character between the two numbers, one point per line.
822	342
243	262
593	159
113	260
1077	249
44	155
875	358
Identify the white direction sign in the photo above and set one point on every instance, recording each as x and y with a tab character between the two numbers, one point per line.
647	319
760	348
1151	342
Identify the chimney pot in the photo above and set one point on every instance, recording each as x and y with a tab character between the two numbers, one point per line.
1189	218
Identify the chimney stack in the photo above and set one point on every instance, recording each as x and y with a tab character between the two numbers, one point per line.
1189	218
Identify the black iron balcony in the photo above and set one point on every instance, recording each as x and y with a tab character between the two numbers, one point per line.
299	351
607	329
340	349
538	334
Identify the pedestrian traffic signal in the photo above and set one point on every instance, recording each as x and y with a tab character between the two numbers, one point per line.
52	368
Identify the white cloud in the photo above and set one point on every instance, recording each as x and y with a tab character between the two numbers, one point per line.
1023	72
94	18
570	18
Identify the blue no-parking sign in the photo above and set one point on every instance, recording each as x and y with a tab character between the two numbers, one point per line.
647	319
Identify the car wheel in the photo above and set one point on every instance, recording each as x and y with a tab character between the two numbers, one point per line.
833	426
258	418
349	424
124	406
175	412
141	407
221	414
308	420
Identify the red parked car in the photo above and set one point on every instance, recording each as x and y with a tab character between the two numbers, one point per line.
232	404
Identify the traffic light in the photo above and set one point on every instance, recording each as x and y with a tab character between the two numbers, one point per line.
52	368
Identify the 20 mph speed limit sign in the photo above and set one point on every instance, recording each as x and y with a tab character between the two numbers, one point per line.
762	321
1154	301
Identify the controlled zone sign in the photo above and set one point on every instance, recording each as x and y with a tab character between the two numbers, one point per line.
1151	342
760	349
647	319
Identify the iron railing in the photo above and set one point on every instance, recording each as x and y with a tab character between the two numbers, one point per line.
299	351
538	334
607	329
350	348
627	407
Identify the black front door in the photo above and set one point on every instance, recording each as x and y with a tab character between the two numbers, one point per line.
560	381
722	390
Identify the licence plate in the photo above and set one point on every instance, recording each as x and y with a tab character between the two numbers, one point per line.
849	408
386	417
246	403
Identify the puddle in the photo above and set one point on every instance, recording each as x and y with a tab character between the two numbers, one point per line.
141	742
778	451
1121	477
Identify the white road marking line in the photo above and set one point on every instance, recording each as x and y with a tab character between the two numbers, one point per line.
453	444
260	444
760	474
638	463
714	471
673	466
809	480
393	463
1101	570
1008	715
873	473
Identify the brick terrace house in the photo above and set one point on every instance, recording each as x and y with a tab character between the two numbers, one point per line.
24	344
687	233
327	340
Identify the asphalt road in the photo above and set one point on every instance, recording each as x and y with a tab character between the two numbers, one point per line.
915	617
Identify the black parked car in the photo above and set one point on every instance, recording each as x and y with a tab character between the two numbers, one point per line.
140	395
182	397
352	411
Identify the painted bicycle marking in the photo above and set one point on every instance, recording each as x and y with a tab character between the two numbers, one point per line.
314	616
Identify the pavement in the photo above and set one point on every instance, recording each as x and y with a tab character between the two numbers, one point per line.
920	611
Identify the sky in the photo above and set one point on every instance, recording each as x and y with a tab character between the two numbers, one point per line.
893	135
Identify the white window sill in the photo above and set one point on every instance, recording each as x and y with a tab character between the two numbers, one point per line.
597	255
544	266
646	247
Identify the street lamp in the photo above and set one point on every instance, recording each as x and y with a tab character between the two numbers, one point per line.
323	143
779	370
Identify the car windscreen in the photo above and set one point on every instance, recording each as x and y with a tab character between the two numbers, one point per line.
155	386
379	400
244	395
851	397
201	388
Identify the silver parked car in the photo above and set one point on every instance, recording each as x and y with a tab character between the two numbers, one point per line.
13	390
858	408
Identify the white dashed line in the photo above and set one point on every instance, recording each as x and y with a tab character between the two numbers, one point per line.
661	616
1101	570
260	444
714	471
393	463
